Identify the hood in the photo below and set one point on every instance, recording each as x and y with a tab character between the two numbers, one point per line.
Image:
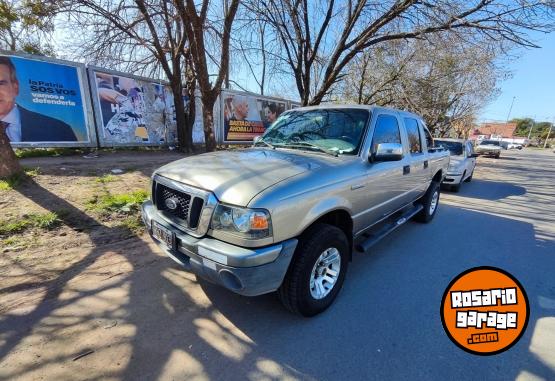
454	161
235	177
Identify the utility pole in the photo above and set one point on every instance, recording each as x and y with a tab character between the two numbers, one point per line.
549	133
510	109
531	127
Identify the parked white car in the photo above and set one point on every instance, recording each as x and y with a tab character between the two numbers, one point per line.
489	148
514	146
462	163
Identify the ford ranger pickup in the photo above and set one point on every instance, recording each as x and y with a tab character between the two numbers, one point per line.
288	213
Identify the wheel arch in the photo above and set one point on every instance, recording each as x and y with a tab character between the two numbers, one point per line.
340	218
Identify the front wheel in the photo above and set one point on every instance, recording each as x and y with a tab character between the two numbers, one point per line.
430	202
317	271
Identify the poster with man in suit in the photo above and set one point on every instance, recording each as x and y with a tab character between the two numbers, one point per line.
41	102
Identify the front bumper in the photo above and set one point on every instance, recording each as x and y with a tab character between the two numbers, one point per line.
245	271
488	152
452	178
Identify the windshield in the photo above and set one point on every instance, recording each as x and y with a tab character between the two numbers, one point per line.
490	143
331	130
456	148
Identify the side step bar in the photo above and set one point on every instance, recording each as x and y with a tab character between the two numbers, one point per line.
388	228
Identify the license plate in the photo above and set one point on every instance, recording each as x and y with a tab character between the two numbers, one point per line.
163	234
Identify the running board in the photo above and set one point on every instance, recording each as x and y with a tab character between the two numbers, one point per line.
385	230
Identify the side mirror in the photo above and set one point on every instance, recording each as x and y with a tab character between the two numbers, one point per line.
388	152
256	139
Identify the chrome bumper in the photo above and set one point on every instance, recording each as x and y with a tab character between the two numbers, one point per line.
245	271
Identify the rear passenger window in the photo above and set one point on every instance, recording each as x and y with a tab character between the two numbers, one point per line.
414	135
386	131
429	139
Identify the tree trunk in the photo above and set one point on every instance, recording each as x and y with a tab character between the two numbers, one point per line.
208	121
184	131
9	165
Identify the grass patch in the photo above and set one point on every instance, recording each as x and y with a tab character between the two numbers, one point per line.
124	204
32	172
42	152
108	178
133	223
11	182
45	221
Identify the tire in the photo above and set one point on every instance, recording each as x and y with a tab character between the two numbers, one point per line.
497	156
469	178
427	214
296	292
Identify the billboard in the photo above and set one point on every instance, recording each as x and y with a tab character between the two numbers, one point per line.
43	102
132	110
246	115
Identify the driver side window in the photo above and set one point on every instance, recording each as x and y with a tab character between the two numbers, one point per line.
386	131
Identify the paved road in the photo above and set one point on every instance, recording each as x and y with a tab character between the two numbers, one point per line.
157	322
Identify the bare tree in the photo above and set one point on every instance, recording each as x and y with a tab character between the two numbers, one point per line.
441	78
320	39
209	40
27	26
141	36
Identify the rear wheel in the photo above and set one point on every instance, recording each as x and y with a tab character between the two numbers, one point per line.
497	156
430	202
317	271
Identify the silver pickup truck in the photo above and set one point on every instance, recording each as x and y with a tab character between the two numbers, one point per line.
287	213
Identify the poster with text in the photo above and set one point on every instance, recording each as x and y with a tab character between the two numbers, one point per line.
247	116
42	102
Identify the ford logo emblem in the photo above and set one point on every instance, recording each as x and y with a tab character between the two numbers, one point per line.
171	203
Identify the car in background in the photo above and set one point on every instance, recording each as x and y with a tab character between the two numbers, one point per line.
462	162
514	146
489	148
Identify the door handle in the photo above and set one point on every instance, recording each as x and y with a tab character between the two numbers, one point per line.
406	169
425	163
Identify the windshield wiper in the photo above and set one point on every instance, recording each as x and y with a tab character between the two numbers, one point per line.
304	144
265	143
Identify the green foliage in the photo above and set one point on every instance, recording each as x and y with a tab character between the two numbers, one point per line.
126	203
22	153
539	129
11	182
108	178
45	221
26	25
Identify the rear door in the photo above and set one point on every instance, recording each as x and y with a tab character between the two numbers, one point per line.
419	165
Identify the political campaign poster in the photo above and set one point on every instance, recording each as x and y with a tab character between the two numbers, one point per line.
43	102
246	116
133	111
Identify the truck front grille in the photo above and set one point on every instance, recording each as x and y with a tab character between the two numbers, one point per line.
176	204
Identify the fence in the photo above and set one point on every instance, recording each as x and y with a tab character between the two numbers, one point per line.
58	103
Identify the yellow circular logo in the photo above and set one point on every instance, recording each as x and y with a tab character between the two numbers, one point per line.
485	310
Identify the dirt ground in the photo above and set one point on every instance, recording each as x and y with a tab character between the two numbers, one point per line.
37	261
93	298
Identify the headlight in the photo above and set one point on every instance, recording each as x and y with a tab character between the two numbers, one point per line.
454	168
247	223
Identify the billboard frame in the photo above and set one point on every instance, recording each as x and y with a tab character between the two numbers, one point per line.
221	128
88	112
98	109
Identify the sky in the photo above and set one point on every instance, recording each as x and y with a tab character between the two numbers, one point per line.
532	85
